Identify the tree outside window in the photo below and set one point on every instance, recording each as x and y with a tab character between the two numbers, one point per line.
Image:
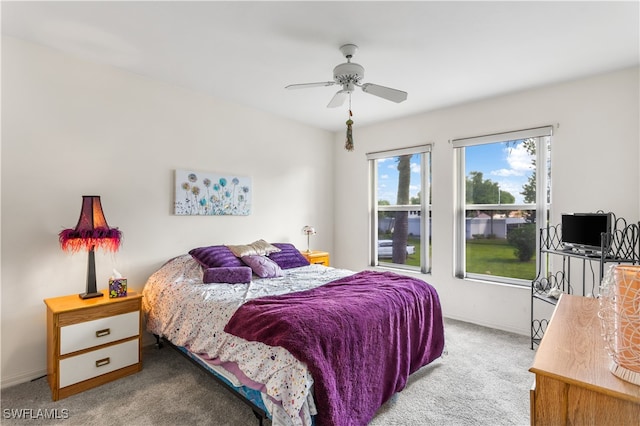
400	220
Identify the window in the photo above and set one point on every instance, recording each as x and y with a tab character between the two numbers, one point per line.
400	208
503	194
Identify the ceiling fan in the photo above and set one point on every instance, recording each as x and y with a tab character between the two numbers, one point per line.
349	75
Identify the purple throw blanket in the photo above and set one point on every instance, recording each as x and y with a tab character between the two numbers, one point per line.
360	336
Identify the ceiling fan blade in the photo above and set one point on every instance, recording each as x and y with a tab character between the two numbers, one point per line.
388	93
338	99
306	85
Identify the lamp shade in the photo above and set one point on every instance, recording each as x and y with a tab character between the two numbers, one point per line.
620	316
308	230
92	229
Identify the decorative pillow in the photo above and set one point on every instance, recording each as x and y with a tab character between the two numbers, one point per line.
230	274
288	257
242	250
262	266
260	247
215	257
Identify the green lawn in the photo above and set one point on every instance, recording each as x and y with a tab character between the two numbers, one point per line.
496	257
487	256
412	260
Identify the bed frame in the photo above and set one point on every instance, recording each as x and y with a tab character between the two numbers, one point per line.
259	412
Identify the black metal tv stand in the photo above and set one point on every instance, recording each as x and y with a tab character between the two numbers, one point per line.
620	245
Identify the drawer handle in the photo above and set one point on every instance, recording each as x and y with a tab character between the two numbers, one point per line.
102	333
103	362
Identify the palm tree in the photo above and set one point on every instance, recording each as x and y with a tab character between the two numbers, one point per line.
401	229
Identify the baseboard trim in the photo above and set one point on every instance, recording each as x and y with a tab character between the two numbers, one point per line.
490	325
21	378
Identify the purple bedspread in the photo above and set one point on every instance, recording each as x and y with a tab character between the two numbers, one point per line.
360	336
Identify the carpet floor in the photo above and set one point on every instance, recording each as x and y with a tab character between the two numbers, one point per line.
483	379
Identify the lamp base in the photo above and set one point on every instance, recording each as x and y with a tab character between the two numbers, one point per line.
92	290
90	295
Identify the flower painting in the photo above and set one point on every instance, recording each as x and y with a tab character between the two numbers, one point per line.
210	194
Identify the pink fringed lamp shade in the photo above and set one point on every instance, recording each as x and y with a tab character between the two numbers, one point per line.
92	230
90	233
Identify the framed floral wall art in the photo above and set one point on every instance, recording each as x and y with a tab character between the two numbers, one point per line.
211	194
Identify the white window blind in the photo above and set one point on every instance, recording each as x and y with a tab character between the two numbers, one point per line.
398	152
506	136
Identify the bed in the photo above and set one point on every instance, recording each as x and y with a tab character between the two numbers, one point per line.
301	344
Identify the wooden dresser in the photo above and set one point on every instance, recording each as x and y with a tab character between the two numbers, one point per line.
316	257
573	384
91	342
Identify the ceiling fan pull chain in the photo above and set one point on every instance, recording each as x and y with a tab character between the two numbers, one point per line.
349	144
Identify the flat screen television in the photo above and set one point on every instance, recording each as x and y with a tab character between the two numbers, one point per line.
582	231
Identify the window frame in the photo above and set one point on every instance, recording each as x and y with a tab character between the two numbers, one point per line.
424	208
542	206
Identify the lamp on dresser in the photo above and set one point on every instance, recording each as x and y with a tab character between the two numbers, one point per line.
91	232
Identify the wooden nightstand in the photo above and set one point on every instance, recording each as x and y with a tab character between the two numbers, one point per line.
316	257
91	342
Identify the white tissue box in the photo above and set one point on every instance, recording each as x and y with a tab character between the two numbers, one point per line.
117	287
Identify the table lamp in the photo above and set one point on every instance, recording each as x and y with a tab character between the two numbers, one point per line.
91	231
308	231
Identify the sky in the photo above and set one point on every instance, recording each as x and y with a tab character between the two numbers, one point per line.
508	166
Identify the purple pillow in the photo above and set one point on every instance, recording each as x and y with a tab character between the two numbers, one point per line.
262	266
288	257
215	257
230	274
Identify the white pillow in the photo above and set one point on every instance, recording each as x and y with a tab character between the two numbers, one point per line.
259	248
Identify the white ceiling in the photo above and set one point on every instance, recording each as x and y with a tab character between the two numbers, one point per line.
442	53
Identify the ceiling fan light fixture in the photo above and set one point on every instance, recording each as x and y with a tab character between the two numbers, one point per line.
348	72
349	75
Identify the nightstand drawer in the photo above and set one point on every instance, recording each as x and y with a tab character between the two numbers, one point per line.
78	368
319	260
316	257
98	332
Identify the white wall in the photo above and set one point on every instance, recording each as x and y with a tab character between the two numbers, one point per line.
73	128
595	151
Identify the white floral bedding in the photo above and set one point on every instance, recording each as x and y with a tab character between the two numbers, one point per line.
189	313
